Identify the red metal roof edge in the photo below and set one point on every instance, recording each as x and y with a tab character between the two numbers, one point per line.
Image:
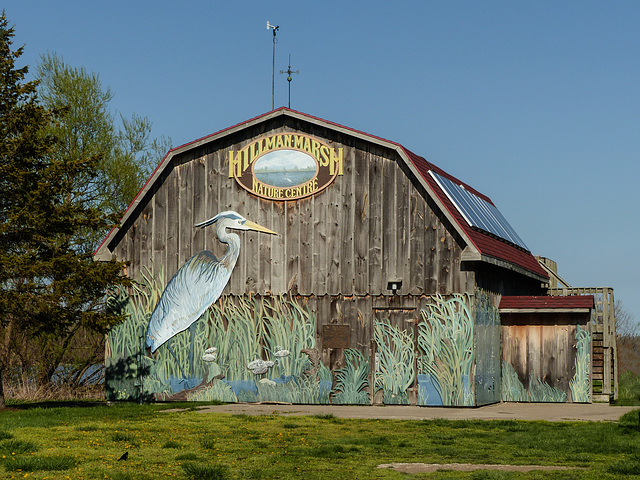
547	301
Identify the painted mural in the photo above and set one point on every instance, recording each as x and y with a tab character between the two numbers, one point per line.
251	349
580	384
245	349
395	357
487	347
197	349
513	390
352	381
446	352
183	340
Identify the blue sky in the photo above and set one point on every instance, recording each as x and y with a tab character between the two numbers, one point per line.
535	104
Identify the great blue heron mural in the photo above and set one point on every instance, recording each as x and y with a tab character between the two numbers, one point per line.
197	284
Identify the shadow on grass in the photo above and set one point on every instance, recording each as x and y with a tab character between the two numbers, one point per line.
12	405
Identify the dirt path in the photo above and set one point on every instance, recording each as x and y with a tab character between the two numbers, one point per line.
553	412
468	467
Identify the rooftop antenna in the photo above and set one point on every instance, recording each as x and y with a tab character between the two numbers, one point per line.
289	72
273	71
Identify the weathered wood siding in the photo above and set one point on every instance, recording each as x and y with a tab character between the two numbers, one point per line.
370	226
542	348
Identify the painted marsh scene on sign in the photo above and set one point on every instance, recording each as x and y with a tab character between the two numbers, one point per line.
285	168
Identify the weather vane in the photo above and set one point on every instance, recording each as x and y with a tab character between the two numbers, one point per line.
289	72
273	71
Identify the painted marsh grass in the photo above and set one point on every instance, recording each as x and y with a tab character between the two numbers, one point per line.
275	331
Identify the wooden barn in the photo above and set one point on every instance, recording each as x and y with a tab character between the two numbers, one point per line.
364	275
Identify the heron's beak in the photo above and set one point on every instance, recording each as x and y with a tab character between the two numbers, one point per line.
258	228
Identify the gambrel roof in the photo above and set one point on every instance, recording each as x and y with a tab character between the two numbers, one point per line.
481	246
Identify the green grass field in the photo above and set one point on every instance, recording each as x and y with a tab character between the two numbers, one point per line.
85	442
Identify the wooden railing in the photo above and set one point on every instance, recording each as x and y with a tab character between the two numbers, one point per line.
603	330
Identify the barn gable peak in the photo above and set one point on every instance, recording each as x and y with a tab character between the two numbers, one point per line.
479	245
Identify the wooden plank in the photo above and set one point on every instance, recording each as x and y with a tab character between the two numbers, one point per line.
507	344
160	230
145	232
232	197
389	219
264	216
375	226
346	271
211	242
361	220
293	251
250	278
319	252
135	250
432	243
200	213
553	371
306	275
534	351
520	351
446	262
122	253
415	283
322	308
332	198
278	223
607	380
185	214
171	227
402	228
561	352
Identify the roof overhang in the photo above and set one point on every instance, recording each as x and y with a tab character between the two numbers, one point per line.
508	266
547	304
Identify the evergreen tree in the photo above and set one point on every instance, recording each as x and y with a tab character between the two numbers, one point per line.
50	288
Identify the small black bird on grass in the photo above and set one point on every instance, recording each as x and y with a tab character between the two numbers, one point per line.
124	456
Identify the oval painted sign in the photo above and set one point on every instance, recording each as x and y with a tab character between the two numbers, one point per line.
285	166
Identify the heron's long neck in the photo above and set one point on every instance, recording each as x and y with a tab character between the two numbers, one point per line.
233	241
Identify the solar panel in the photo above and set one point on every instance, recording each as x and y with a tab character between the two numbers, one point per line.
478	213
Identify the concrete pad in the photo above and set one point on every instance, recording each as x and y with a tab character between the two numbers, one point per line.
552	412
414	468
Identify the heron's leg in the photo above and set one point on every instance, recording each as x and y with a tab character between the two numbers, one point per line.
175	357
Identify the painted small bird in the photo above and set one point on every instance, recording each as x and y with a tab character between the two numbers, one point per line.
124	456
197	284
